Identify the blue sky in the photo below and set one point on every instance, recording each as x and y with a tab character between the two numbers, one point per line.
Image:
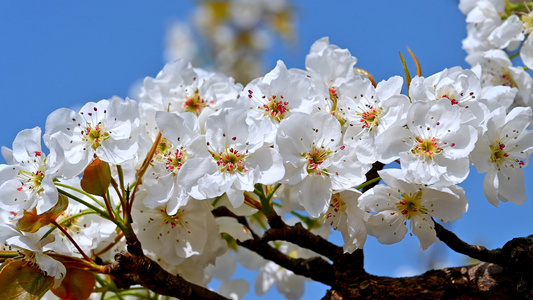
62	54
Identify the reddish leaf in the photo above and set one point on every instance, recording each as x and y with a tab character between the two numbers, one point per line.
20	280
96	178
31	221
77	285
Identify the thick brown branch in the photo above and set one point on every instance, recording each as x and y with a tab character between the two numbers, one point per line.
477	252
512	278
302	237
315	268
481	281
129	269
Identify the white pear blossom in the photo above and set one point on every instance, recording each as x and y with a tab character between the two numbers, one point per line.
402	200
30	246
433	145
316	161
461	87
107	129
27	181
488	30
498	70
174	237
88	229
181	88
238	158
277	95
502	152
344	215
329	68
181	144
370	111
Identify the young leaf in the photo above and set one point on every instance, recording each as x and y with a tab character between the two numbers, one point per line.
77	285
96	177
20	280
31	221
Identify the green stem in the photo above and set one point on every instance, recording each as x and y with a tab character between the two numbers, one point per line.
511	57
371	181
81	192
97	210
65	232
85	212
9	254
89	205
215	202
309	222
258	219
121	179
510	8
115	187
123	199
271	193
109	209
266	206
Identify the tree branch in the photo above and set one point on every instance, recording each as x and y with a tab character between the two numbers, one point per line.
473	251
302	237
315	268
129	269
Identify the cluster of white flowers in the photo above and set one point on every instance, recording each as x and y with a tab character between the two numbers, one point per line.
303	139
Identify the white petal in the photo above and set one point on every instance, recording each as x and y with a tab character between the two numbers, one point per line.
424	229
315	194
388	227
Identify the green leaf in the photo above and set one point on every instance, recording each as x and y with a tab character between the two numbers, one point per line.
31	221
96	178
20	280
407	74
77	285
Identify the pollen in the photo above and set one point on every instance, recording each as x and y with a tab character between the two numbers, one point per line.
276	107
195	103
94	136
426	147
410	205
369	116
230	160
315	158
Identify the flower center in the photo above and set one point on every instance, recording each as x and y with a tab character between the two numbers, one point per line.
31	181
94	136
369	116
410	205
499	155
195	103
426	147
450	97
28	256
315	158
70	222
505	79
172	158
333	95
336	206
174	220
527	19
276	108
335	111
230	160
